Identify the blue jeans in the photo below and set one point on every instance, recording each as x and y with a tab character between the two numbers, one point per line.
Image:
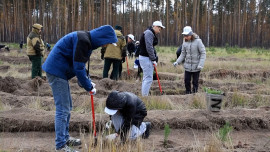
148	69
63	104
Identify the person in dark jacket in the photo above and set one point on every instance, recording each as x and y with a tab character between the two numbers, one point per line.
127	112
66	60
148	55
5	47
48	46
130	45
21	46
178	52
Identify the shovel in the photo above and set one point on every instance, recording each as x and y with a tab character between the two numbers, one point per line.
127	65
160	89
93	116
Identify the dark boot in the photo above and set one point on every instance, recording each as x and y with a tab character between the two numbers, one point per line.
146	134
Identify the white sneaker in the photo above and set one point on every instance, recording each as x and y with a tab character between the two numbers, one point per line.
66	149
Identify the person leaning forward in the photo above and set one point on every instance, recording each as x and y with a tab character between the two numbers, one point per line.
35	49
66	60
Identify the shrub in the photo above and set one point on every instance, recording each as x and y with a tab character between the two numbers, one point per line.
233	50
211	49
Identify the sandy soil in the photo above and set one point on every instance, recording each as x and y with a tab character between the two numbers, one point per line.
27	111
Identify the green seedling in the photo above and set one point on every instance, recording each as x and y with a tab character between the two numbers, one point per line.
224	132
213	91
167	131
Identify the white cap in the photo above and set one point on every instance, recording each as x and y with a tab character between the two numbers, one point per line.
131	37
158	23
110	111
114	44
187	30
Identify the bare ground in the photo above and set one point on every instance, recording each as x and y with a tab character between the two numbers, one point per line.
27	111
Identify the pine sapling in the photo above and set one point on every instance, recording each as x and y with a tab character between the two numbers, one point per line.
167	131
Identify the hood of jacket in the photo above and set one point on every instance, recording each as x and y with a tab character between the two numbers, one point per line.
102	35
195	36
36	28
116	100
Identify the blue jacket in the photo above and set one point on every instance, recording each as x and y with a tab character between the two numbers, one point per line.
69	55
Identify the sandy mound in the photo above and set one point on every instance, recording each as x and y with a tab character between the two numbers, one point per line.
23	119
4	68
9	84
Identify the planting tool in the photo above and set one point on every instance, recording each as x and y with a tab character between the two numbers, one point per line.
160	89
93	116
127	66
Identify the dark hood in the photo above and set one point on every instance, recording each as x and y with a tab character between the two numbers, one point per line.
116	100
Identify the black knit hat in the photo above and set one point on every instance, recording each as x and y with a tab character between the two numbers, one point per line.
116	100
117	27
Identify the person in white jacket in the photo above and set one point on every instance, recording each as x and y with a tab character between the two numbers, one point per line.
193	57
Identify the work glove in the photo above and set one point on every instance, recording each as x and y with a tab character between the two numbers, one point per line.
123	59
112	137
93	84
175	64
93	91
157	59
102	56
199	67
154	63
108	124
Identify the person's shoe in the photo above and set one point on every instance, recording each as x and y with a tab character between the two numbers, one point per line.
73	142
146	134
66	149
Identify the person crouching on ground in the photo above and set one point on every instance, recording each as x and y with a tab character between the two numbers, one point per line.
127	112
193	56
35	49
148	55
66	60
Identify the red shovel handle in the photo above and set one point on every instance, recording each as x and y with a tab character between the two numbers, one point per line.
93	113
127	65
160	89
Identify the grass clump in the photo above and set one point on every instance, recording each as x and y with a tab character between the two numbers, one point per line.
223	133
233	50
198	102
157	103
238	100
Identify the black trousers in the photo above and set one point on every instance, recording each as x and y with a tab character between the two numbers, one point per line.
195	81
115	71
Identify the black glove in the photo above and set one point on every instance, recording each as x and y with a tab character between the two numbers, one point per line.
103	50
123	60
157	59
102	56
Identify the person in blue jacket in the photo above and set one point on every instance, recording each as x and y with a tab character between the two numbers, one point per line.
66	60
